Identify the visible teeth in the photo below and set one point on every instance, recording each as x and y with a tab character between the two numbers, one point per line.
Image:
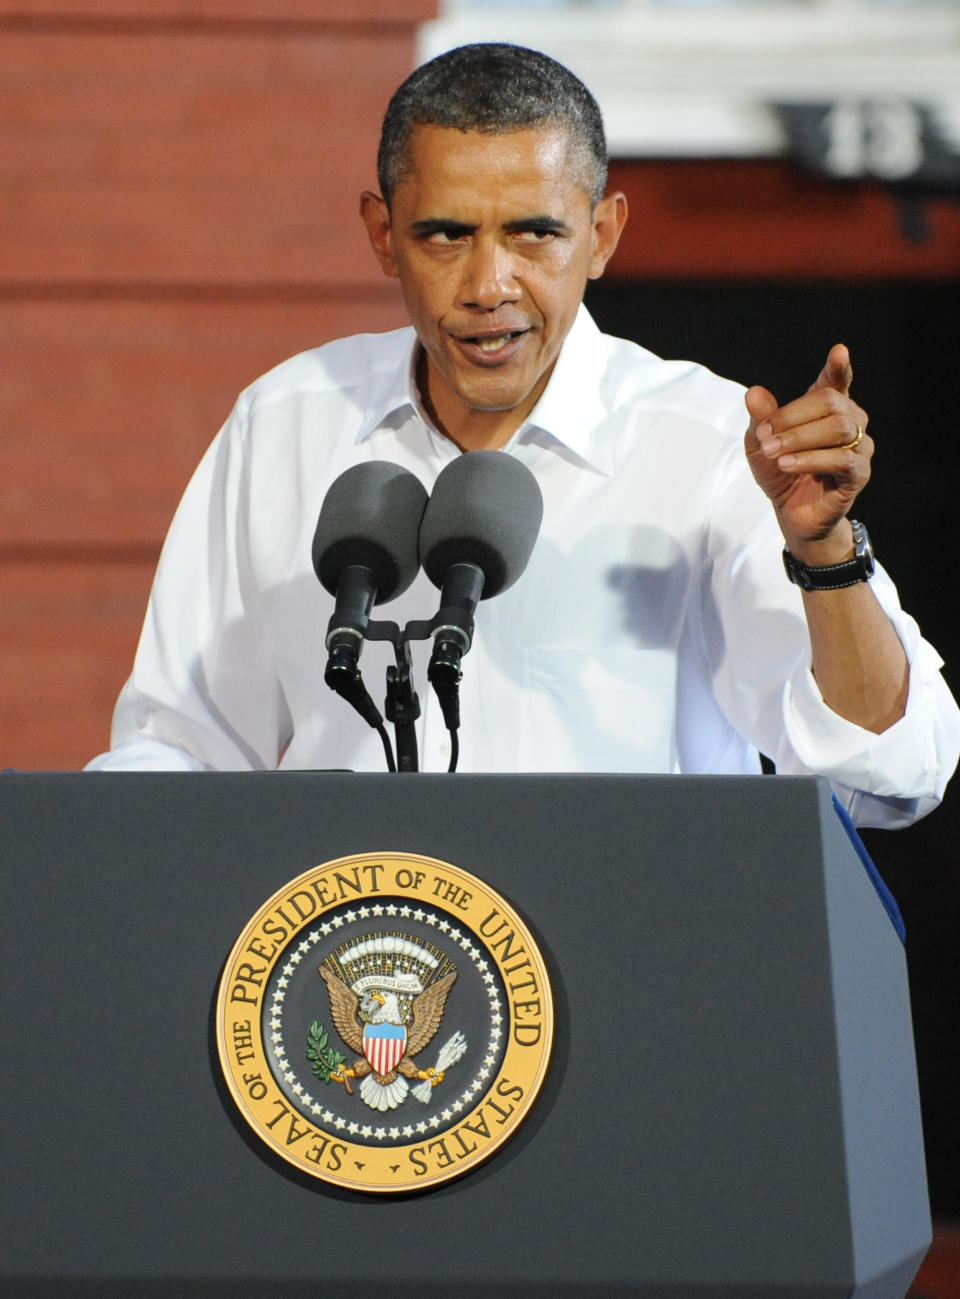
494	344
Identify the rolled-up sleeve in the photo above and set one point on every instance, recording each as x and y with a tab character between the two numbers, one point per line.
763	679
897	776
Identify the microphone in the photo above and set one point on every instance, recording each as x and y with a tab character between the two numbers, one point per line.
476	537
364	553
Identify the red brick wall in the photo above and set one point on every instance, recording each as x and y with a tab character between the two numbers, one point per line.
177	214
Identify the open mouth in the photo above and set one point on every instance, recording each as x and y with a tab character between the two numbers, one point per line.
490	344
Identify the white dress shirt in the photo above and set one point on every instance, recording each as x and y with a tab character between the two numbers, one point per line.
654	629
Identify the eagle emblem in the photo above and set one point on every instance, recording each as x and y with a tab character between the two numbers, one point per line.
387	996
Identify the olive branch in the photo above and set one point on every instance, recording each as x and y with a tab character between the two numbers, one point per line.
324	1059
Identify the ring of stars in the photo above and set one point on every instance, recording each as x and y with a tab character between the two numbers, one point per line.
307	1103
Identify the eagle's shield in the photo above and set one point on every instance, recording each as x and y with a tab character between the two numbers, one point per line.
384	1045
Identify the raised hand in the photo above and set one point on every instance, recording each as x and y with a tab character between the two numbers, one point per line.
811	457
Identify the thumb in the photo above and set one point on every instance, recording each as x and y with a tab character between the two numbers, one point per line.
761	404
837	372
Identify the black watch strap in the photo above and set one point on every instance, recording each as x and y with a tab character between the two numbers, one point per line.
830	577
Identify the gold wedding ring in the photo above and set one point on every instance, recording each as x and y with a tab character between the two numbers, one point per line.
852	446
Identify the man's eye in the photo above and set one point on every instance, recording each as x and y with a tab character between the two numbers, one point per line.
535	236
449	236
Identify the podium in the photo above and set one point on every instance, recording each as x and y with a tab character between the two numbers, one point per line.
730	1112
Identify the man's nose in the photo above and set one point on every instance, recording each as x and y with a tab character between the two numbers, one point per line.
490	277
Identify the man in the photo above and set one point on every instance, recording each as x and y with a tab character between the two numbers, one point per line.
655	628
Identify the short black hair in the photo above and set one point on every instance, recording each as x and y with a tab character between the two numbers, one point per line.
493	88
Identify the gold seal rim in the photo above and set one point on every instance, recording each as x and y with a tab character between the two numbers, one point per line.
522	1069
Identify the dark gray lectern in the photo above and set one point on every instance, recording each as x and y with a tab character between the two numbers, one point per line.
731	1110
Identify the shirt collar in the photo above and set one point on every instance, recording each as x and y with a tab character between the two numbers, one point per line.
397	394
570	409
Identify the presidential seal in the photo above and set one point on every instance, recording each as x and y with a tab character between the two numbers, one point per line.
384	1022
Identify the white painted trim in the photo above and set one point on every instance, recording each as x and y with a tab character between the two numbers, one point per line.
682	80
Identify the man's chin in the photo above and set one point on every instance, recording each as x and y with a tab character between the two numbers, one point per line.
496	394
488	390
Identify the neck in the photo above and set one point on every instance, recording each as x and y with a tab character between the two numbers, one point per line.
478	435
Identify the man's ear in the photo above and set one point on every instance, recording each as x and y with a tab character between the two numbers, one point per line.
609	218
376	217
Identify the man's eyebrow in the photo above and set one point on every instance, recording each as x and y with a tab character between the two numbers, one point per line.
441	225
547	225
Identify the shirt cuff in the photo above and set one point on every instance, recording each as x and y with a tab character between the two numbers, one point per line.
903	762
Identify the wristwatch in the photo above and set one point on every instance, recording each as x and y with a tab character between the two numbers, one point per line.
830	577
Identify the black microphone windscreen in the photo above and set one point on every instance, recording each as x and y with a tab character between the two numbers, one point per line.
485	509
371	516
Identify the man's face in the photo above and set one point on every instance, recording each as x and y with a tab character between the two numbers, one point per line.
493	239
